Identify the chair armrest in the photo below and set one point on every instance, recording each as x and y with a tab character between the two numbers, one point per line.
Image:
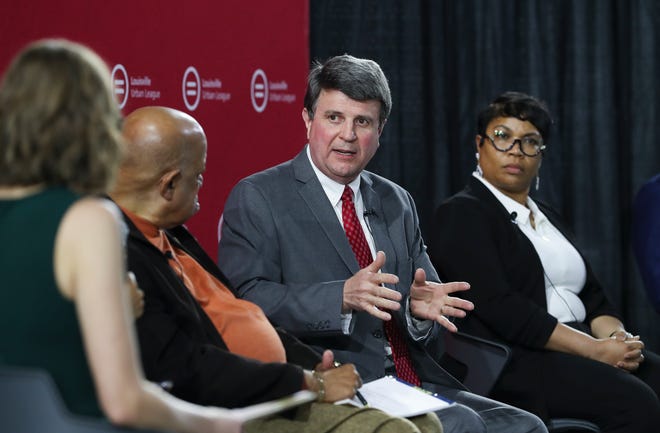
476	362
568	425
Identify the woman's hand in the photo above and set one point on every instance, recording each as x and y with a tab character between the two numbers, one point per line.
633	358
619	352
609	327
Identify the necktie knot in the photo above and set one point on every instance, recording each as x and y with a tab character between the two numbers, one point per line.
347	195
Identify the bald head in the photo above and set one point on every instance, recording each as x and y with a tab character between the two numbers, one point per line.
165	149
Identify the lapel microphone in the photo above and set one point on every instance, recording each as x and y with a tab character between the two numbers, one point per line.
513	217
368	213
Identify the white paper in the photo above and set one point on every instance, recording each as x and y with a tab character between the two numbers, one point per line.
398	398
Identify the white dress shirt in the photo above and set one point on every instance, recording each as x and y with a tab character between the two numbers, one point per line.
563	268
334	190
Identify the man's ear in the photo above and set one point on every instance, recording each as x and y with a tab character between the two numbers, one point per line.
381	126
307	119
167	184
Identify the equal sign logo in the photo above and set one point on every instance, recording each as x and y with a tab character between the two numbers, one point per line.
259	90
120	84
191	87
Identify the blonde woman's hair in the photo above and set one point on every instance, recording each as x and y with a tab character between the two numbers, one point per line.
59	121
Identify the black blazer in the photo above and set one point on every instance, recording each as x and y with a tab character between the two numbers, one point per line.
474	240
179	343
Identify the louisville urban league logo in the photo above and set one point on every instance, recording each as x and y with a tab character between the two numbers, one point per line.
259	90
191	88
120	84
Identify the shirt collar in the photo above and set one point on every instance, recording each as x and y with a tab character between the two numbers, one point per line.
522	212
333	189
147	228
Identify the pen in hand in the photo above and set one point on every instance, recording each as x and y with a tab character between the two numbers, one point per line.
358	394
360	397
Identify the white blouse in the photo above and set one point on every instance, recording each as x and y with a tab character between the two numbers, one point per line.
564	270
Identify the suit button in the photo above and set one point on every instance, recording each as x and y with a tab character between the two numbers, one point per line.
377	333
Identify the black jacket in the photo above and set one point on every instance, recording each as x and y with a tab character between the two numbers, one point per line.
179	343
475	240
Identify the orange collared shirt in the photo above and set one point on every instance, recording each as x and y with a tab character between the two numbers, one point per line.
242	324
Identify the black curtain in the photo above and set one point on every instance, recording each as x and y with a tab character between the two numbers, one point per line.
594	62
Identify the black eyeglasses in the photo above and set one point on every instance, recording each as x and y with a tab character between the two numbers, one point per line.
530	145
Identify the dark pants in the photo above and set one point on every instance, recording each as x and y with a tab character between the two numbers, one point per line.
576	387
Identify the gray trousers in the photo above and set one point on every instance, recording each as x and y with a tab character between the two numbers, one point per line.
477	414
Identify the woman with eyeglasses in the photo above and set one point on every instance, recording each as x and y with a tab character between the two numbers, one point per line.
534	291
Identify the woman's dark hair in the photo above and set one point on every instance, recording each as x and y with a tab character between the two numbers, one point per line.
519	105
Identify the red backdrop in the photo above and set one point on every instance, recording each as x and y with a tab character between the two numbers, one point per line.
239	67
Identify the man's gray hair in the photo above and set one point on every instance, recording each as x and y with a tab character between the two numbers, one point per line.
359	79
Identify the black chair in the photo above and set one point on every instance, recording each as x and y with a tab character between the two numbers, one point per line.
30	403
478	363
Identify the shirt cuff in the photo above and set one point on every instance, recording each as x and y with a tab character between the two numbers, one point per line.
419	329
346	320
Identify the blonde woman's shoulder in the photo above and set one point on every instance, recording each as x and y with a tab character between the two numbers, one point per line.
90	234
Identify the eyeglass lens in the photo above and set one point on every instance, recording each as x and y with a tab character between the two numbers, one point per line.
530	145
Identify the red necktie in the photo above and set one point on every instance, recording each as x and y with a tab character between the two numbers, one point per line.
355	234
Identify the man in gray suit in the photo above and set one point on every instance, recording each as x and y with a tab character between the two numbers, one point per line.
332	252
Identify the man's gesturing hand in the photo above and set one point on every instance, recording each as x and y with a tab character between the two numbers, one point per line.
430	300
364	290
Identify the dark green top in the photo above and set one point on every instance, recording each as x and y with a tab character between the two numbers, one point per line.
38	327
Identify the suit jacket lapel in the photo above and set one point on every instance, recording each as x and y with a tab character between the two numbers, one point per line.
479	190
377	223
312	194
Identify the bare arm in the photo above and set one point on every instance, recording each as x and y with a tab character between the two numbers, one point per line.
90	271
613	351
606	326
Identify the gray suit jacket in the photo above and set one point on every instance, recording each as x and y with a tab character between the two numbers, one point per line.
284	249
